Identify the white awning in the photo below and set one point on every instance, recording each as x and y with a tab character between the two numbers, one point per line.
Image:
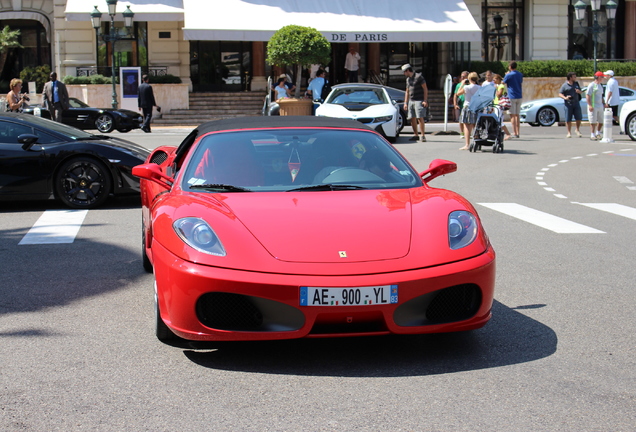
338	21
144	10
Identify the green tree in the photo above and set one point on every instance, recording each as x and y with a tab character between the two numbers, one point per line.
9	39
298	46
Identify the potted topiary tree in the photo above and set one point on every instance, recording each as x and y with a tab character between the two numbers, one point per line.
297	46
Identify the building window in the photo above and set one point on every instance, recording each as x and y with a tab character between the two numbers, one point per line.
35	51
503	29
581	41
128	52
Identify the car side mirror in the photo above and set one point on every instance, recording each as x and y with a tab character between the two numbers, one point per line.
152	172
27	141
438	167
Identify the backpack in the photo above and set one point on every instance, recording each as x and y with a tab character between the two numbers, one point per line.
326	89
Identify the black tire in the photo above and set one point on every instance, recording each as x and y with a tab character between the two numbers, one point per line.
144	256
83	183
403	120
471	147
534	124
547	116
123	130
630	126
162	331
104	123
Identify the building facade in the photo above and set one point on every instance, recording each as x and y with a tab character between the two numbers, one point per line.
220	45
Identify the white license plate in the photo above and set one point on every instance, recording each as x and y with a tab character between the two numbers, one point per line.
359	296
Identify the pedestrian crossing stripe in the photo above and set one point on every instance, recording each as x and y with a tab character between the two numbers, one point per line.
617	209
541	219
55	226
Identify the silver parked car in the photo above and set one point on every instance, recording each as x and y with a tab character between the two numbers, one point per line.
545	112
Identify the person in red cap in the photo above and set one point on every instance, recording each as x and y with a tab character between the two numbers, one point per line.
595	105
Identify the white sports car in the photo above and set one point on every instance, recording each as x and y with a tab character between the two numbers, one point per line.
371	106
627	119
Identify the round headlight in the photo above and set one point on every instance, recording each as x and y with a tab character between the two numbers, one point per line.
197	234
462	229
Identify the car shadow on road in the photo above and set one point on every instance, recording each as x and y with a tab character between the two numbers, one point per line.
113	202
509	338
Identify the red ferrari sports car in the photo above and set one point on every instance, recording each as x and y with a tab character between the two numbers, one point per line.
291	227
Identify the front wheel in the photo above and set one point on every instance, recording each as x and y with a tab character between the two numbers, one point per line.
144	256
104	123
630	126
547	116
83	183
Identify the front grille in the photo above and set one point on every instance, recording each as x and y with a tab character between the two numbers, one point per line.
238	312
455	303
228	311
159	157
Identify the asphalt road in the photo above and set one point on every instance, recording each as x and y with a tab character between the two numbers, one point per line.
79	354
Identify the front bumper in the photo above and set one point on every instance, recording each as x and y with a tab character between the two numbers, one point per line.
241	305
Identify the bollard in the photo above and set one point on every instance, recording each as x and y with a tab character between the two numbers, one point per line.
608	118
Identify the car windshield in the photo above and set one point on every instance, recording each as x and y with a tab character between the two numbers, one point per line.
366	96
69	131
307	160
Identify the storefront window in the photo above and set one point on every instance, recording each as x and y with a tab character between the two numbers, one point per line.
503	30
220	66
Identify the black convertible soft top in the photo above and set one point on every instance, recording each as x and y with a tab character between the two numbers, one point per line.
264	122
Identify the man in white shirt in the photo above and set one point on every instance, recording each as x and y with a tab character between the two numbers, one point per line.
612	94
594	98
352	65
489	79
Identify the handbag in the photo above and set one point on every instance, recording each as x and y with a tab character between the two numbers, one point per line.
504	103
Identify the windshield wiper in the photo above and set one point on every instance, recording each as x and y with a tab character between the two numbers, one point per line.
326	187
220	187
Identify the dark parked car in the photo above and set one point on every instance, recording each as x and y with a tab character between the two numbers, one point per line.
104	120
42	159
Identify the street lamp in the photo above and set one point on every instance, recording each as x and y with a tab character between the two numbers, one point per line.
113	36
498	41
596	28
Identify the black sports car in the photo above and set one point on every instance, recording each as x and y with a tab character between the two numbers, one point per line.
42	159
104	120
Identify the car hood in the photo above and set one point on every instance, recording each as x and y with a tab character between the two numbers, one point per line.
537	103
355	111
320	226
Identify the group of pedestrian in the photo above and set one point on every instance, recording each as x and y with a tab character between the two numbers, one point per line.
509	86
56	100
597	100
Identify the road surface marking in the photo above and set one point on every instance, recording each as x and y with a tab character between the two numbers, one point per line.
541	219
617	209
55	226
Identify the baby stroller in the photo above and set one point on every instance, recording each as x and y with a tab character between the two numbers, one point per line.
488	129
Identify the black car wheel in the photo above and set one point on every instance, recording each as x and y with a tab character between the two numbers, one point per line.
630	126
547	116
104	123
83	183
123	130
401	121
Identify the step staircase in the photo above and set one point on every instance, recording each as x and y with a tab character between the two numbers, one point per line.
214	106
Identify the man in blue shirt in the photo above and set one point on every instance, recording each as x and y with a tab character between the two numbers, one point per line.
314	90
55	97
513	80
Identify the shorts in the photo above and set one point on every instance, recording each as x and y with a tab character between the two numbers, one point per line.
596	115
416	110
614	110
515	106
573	110
467	116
